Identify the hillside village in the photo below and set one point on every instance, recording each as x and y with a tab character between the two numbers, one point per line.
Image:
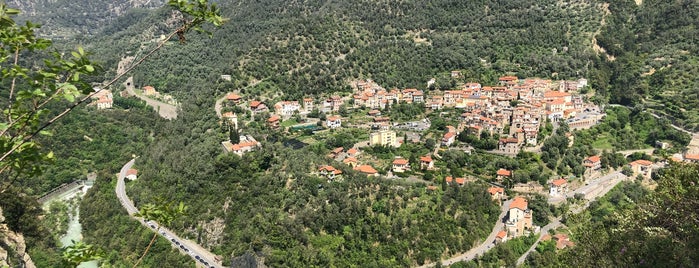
514	116
513	113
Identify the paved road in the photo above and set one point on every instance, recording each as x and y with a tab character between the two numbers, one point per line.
544	231
198	253
483	247
592	191
165	110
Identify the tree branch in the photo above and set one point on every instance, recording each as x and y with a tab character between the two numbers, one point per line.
12	88
71	107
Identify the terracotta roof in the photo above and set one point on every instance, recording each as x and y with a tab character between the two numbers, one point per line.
449	179
449	135
333	118
593	159
338	150
431	187
254	104
273	118
494	190
233	96
131	172
555	94
243	145
504	172
509	140
366	169
460	181
519	203
641	162
352	151
692	156
400	161
148	88
559	182
426	158
349	160
502	234
508	78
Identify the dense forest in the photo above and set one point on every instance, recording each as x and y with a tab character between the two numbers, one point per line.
651	57
269	203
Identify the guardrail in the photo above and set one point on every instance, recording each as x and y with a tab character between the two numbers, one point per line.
63	188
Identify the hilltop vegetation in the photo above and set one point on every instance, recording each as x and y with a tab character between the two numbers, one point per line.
268	202
316	46
654	47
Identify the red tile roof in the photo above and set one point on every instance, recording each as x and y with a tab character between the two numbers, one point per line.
508	78
273	118
504	172
519	203
692	156
352	151
593	159
254	104
366	169
426	158
555	94
349	160
494	190
233	96
131	172
502	234
460	181
449	179
559	182
400	161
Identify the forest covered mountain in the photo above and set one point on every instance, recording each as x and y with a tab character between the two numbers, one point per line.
636	53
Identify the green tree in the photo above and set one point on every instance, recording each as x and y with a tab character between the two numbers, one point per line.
161	213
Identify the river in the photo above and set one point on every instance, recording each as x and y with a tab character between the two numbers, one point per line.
74	232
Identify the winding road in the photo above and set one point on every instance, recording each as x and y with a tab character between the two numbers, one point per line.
593	190
200	255
483	247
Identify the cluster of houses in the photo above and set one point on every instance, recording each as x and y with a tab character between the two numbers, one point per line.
369	94
514	110
103	99
349	158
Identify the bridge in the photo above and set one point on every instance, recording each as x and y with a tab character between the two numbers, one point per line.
64	189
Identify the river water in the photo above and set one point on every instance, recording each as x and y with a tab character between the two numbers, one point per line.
74	232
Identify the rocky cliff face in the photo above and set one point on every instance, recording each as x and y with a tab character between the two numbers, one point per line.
13	249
